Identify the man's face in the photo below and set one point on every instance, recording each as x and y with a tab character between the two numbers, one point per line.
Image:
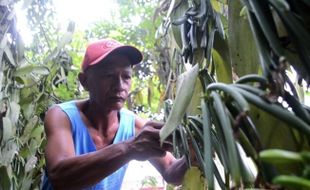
109	82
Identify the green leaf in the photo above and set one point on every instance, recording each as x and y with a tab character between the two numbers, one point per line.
216	6
177	13
25	137
35	69
8	152
28	110
65	39
37	132
242	48
265	20
207	144
221	57
193	180
185	89
31	163
14	112
5	182
193	107
8	53
7	129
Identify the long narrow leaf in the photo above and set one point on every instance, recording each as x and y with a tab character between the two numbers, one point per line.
261	43
266	23
197	150
218	139
207	144
228	134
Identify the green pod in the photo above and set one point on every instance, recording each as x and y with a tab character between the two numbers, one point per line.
278	156
252	78
305	156
240	100
292	182
228	135
277	111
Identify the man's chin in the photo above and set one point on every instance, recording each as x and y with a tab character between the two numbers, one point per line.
117	105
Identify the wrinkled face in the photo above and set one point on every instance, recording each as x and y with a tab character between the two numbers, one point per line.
109	82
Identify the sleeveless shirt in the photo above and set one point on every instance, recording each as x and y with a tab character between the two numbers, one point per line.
83	144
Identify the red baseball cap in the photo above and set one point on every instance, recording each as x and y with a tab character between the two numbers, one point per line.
98	50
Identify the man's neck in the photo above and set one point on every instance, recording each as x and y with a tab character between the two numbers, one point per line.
100	119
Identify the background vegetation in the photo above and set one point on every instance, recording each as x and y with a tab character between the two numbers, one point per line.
219	72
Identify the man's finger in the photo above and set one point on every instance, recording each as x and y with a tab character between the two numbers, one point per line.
167	146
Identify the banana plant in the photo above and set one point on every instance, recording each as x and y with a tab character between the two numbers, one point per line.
238	82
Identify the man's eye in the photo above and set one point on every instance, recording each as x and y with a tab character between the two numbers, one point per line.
127	76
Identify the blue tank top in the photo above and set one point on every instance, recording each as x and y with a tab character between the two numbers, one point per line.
83	144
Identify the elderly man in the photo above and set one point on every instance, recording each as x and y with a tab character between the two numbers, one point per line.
90	142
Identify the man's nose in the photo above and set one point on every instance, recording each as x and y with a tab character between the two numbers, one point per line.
119	83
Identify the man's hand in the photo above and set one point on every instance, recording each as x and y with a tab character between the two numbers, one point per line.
147	143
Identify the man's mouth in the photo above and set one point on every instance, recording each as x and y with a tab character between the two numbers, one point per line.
118	99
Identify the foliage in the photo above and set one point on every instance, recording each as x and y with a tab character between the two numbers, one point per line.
149	181
31	79
244	99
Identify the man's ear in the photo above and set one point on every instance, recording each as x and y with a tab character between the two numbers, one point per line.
83	80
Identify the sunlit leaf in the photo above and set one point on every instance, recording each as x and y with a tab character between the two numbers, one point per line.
35	69
29	128
193	180
7	129
31	162
193	107
177	13
216	5
26	3
9	55
185	91
65	39
14	112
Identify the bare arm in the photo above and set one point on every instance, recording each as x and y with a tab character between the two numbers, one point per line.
68	171
65	168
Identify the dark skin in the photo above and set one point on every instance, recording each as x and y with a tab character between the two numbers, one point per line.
108	85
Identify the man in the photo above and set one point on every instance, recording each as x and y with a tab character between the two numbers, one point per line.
90	142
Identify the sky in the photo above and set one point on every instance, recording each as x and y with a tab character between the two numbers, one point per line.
83	13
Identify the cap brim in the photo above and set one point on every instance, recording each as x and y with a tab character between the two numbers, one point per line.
134	55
